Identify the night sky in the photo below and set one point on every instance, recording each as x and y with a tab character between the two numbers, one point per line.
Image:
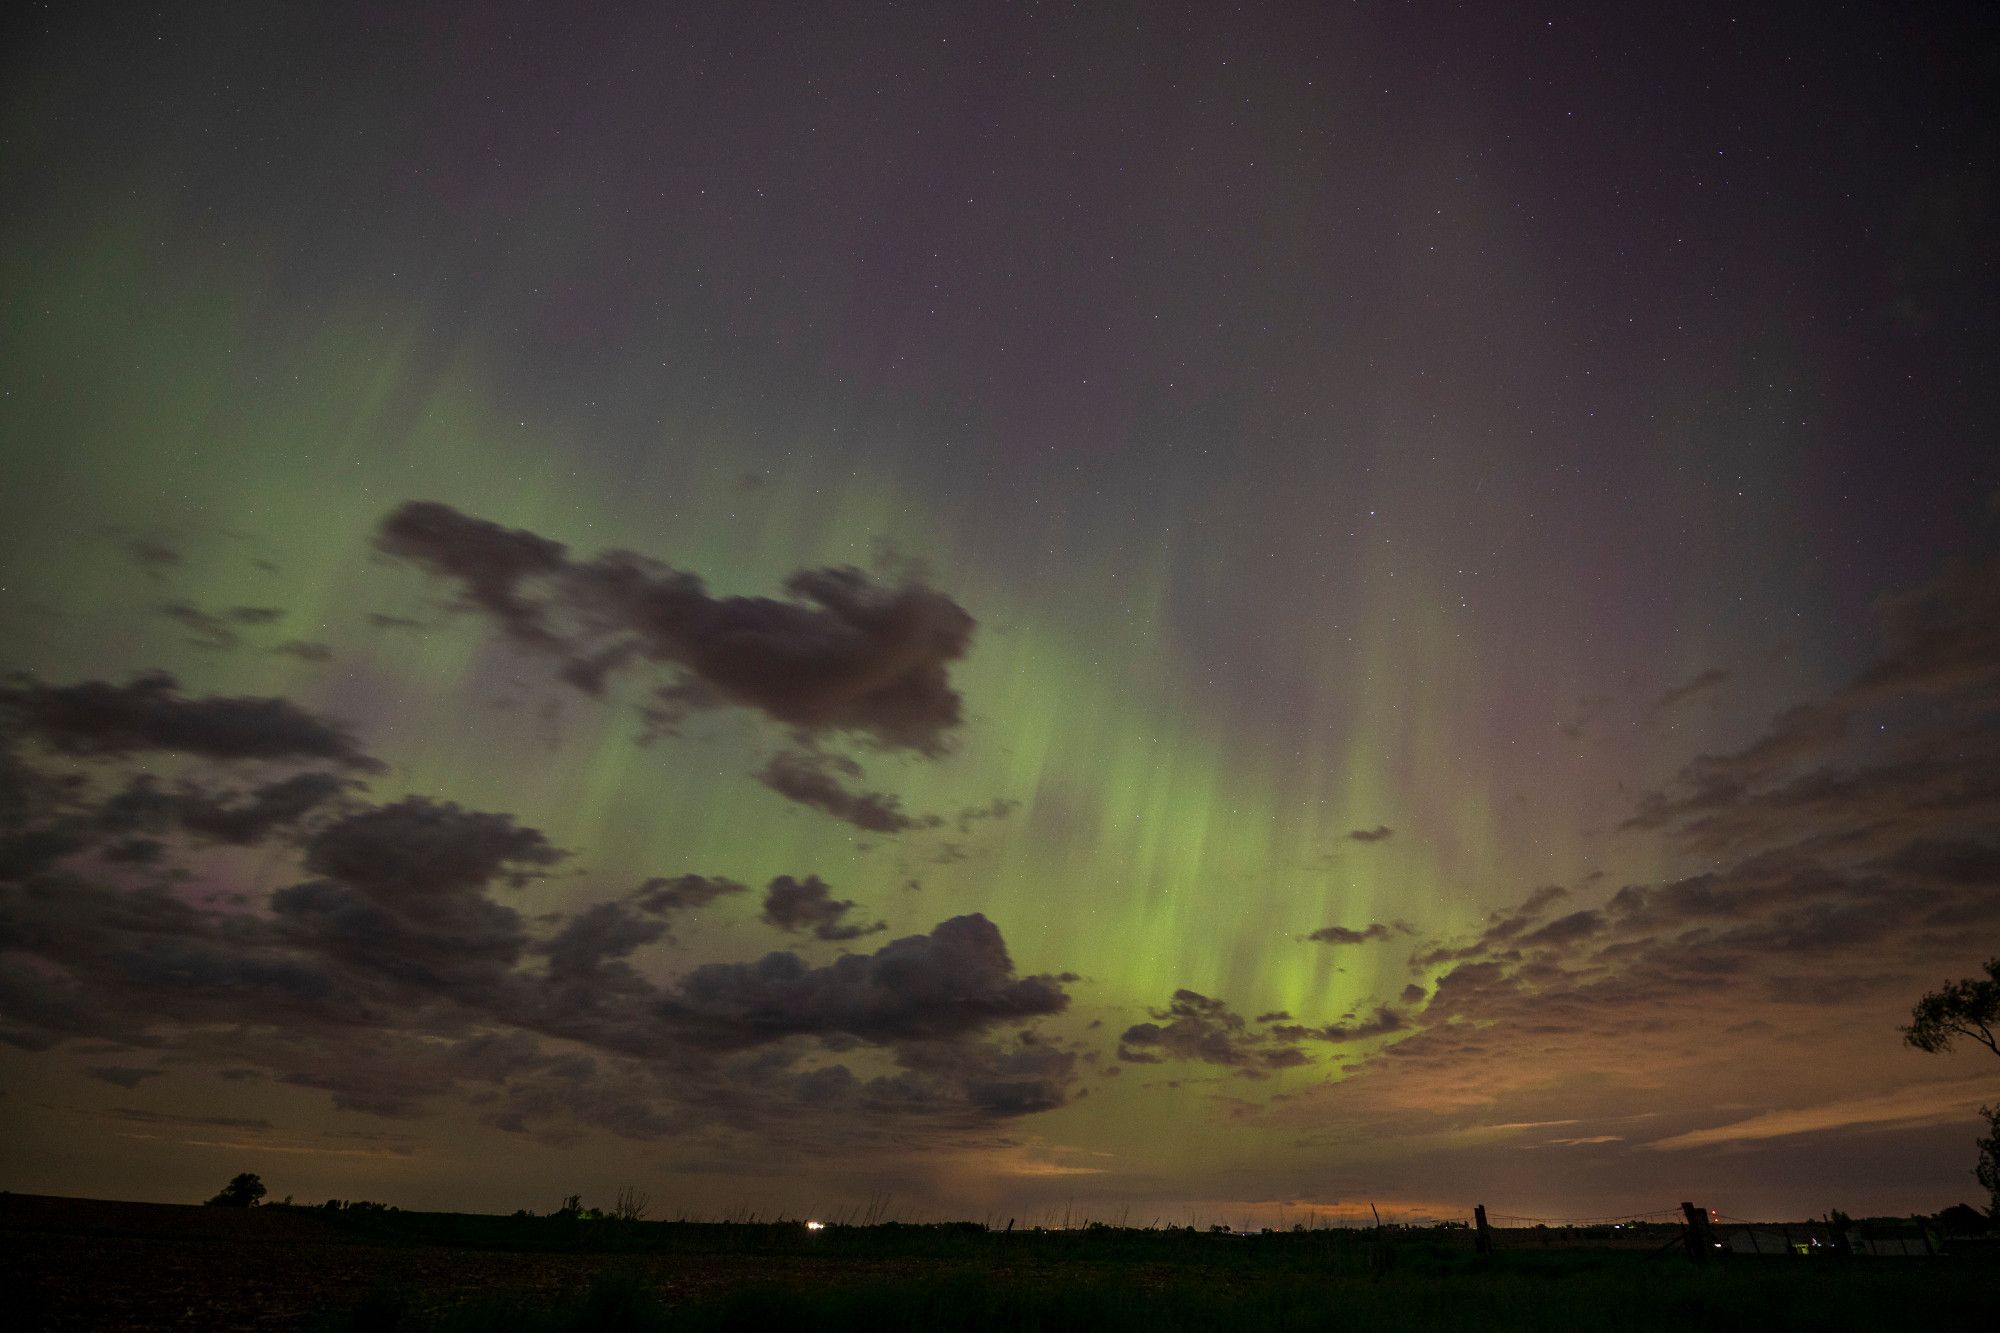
1179	612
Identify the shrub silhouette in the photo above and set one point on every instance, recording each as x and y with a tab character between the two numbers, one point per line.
241	1192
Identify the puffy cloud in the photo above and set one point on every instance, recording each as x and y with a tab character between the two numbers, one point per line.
352	977
418	850
954	981
487	561
601	933
809	904
250	818
49	819
842	655
1380	833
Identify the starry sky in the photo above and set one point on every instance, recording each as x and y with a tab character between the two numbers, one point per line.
1167	611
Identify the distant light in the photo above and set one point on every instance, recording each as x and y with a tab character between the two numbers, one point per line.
815	1226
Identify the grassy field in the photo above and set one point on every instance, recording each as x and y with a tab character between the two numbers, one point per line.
76	1265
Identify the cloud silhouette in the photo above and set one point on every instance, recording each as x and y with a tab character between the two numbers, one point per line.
808	904
813	778
841	655
97	718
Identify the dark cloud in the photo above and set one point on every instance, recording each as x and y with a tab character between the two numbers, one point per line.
1940	666
124	1076
458	948
1379	1023
813	778
1197	1027
117	965
1501	929
683	893
47	820
267	808
204	630
394	949
955	981
808	904
1565	929
599	935
212	630
305	650
131	851
843	655
152	555
97	718
1845	863
1956	861
401	903
381	620
487	561
138	1116
1375	930
995	1079
350	1090
1000	807
1380	833
418	850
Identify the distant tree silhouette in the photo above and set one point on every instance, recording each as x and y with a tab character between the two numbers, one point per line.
242	1192
1967	1008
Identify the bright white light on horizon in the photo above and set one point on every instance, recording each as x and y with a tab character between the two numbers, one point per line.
815	1226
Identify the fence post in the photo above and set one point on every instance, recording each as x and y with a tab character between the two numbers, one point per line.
1482	1240
1699	1246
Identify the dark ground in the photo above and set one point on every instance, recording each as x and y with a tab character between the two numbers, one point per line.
70	1264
